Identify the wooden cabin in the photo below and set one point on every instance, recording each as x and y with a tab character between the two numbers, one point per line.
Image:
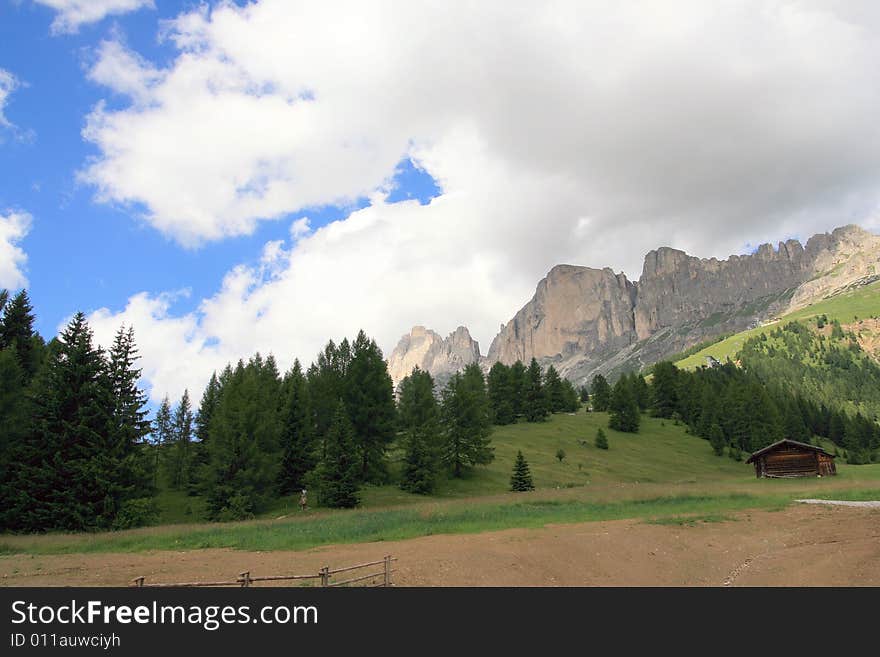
790	458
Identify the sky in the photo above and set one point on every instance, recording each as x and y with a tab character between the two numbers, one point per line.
232	177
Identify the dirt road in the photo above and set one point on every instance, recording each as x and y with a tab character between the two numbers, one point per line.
806	545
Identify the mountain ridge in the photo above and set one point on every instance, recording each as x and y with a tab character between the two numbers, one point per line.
587	320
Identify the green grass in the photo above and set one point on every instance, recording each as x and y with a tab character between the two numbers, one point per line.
846	307
392	524
661	474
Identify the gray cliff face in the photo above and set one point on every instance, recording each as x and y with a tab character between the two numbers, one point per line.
585	320
427	350
575	310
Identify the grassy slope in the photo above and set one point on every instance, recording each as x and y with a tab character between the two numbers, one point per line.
662	472
862	303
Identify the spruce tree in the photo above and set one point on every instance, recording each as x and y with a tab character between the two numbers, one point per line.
466	423
17	333
337	475
369	400
521	479
298	448
418	416
130	422
664	389
518	388
554	391
177	463
66	473
716	439
601	439
600	393
244	450
501	394
535	407
623	408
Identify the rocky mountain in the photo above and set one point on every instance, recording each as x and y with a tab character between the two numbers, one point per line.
442	357
585	320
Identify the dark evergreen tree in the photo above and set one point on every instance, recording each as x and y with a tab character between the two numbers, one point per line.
69	471
521	479
369	400
623	408
600	393
298	448
337	474
664	389
501	394
554	391
641	390
571	402
518	388
716	439
130	423
243	449
178	453
17	333
601	439
466	423
535	406
419	417
584	394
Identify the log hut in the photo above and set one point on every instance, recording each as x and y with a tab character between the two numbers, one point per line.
790	458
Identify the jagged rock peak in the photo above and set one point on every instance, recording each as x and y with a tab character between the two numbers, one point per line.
427	350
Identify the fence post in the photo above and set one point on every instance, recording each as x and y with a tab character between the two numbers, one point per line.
138	581
245	578
387	570
325	576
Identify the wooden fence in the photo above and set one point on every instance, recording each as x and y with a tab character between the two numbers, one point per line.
380	575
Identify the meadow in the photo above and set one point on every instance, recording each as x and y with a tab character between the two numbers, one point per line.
662	474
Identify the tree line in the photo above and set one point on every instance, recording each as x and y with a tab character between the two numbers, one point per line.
72	428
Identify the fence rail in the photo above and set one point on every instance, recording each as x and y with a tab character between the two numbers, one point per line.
324	577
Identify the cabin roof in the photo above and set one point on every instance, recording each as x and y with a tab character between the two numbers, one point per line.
784	441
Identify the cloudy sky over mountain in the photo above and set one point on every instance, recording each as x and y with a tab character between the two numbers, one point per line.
232	177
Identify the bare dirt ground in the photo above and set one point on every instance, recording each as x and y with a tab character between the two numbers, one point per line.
803	545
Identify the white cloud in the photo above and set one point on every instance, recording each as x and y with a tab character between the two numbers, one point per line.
14	225
72	14
572	132
8	84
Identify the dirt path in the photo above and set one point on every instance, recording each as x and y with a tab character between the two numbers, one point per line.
802	545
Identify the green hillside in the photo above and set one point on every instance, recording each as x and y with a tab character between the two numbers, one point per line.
845	307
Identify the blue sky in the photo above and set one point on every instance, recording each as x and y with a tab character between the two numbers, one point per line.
303	170
84	254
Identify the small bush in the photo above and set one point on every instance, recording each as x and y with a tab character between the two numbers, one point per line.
136	513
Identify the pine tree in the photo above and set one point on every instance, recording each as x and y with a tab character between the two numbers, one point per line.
501	394
521	480
554	391
244	448
584	394
664	389
518	388
338	473
623	408
298	448
161	433
17	333
467	428
130	422
600	393
369	400
601	439
716	439
418	416
178	456
535	408
66	473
